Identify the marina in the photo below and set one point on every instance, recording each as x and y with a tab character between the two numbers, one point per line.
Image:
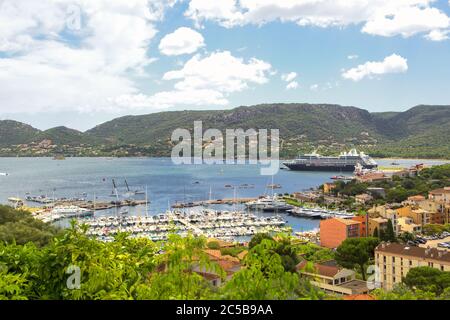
222	225
87	183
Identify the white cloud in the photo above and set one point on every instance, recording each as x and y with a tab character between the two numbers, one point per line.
219	71
352	57
391	64
181	41
438	35
167	99
378	17
288	77
314	87
41	70
205	81
407	22
292	85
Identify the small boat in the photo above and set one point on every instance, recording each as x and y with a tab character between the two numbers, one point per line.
395	163
59	157
274	186
4	174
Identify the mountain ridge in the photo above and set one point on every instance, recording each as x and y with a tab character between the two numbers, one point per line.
302	126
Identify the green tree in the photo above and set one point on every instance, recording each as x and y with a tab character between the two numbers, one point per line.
258	238
356	253
263	277
428	279
389	233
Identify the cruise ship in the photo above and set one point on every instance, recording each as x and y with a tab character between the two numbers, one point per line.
346	161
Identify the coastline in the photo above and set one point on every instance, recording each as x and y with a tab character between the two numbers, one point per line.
168	157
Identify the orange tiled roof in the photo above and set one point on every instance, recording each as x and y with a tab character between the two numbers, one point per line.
326	270
243	254
217	255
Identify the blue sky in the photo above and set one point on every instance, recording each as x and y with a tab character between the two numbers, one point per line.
78	64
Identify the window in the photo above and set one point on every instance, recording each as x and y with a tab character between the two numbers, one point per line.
410	262
384	259
442	268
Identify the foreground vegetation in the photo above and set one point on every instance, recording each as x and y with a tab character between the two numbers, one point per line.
43	263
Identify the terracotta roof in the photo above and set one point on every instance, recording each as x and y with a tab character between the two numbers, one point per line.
416	252
379	220
360	297
229	266
242	255
348	222
417	198
440	191
326	269
222	244
216	255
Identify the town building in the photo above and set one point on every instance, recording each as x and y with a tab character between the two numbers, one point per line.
363	227
371	177
422	217
384	212
363	198
334	231
394	261
377	225
419	216
413	200
407	224
229	264
328	187
440	195
333	279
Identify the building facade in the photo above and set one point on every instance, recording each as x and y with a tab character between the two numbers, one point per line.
394	261
334	231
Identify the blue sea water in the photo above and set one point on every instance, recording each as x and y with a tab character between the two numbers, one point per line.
166	182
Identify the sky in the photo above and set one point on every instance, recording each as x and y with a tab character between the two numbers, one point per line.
79	63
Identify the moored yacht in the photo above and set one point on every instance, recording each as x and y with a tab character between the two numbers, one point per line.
268	204
71	211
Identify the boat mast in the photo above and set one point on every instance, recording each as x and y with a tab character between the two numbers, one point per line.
146	202
234	199
126	183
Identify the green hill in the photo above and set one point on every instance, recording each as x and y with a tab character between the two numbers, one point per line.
422	131
13	132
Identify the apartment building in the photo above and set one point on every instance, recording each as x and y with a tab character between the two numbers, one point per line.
333	279
440	195
407	224
395	260
334	231
384	212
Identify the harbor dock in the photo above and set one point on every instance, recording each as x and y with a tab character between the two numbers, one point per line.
212	202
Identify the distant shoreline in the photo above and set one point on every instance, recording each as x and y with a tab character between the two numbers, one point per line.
168	157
